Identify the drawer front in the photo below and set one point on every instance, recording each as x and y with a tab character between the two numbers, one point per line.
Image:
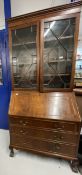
45	134
56	125
43	146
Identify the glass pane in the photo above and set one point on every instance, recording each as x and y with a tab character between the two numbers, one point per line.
24	56
58	53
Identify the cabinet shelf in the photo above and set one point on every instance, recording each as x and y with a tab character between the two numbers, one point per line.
46	40
78	77
78	69
21	44
61	74
23	64
50	62
59	60
78	59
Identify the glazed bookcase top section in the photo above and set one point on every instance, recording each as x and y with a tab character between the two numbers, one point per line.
76	7
43	48
58	47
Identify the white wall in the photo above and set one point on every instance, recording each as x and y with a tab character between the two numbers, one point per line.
2	18
19	7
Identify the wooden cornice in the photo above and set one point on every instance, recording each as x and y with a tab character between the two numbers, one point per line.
46	11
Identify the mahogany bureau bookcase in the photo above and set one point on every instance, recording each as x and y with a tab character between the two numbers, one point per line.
43	113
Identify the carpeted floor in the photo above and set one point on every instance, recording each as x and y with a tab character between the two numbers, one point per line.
29	164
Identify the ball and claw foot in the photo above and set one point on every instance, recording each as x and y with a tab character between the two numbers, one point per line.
75	166
11	152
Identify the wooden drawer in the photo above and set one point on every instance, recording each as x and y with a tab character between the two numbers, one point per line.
45	134
43	146
56	125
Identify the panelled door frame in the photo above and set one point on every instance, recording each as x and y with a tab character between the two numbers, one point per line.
37	49
57	17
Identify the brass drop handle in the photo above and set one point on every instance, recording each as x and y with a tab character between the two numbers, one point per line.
55	125
61	137
55	136
24	124
57	147
62	126
24	143
21	121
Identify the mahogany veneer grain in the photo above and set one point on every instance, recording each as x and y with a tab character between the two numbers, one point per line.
47	123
